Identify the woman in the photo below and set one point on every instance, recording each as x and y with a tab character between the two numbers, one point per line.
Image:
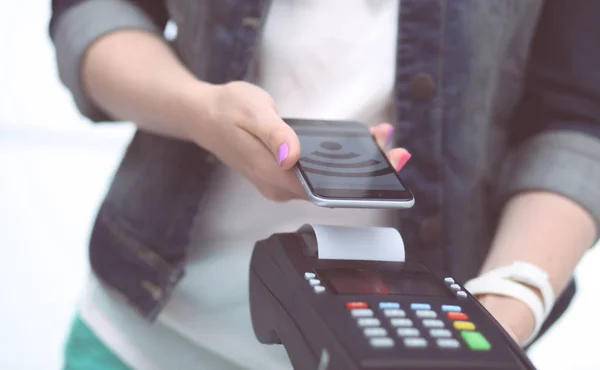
497	102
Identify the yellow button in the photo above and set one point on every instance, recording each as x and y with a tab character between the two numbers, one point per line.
464	325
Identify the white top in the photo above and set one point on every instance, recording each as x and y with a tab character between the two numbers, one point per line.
331	59
319	59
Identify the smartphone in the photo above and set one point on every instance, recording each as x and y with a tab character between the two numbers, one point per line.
341	166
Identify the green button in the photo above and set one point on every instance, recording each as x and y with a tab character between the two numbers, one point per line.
476	341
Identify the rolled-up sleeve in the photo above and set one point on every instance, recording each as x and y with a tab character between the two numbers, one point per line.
76	25
556	129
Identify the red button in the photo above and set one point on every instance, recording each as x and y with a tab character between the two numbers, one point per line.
352	305
457	316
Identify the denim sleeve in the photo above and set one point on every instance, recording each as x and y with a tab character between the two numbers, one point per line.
556	130
76	24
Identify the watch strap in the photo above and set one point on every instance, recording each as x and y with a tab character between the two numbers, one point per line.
531	275
494	284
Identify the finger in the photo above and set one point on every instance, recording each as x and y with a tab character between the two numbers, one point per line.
279	188
293	185
383	134
276	135
287	181
276	194
398	157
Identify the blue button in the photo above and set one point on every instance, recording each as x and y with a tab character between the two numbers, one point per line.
420	306
450	308
390	305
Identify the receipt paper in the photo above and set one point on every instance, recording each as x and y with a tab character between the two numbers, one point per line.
358	243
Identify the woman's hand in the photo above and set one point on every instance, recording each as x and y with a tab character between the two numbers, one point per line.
248	135
383	135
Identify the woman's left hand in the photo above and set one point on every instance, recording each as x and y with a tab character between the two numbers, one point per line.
383	134
513	315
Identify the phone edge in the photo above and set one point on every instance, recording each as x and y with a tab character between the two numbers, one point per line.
346	203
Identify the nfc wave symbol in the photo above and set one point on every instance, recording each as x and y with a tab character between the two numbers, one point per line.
332	152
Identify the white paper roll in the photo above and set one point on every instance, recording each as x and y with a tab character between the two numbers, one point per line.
358	243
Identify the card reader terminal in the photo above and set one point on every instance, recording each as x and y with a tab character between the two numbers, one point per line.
355	314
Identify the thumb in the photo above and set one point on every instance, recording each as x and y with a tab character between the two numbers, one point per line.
277	136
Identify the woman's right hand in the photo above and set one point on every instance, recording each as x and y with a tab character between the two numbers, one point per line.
246	133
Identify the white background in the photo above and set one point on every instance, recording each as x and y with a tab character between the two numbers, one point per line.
54	168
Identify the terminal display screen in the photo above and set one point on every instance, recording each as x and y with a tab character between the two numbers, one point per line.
349	281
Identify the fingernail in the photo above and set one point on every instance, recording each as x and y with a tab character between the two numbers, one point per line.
284	151
403	161
390	138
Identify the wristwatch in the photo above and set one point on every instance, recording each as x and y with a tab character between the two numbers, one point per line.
518	281
531	275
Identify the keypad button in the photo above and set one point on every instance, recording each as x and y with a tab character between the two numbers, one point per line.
476	341
415	342
461	295
362	312
449	280
375	332
432	323
352	305
401	322
394	313
408	332
382	342
426	314
448	343
451	308
309	275
314	282
389	305
458	316
464	325
319	289
440	333
455	287
420	306
368	321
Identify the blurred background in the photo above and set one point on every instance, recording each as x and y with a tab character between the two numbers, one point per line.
54	170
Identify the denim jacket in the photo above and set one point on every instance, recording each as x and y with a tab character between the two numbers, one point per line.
475	103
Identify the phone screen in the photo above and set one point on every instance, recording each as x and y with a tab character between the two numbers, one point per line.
341	160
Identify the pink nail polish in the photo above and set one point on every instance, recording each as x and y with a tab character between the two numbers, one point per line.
390	138
403	161
284	152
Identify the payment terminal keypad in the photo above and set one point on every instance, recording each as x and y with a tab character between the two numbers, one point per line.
417	325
